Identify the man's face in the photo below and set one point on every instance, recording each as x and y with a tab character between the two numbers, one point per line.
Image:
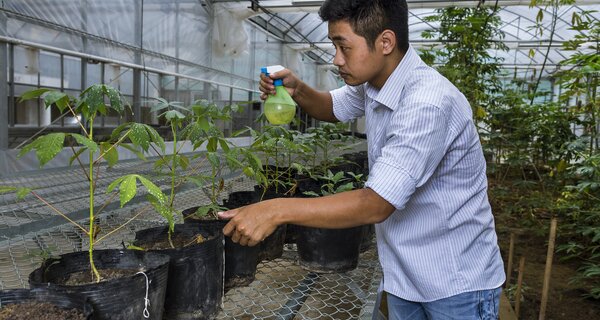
357	64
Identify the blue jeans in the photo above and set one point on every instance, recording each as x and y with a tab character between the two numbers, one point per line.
475	305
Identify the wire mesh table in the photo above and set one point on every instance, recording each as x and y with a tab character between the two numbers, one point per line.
31	231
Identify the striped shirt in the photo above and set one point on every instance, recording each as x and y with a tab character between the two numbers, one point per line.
426	160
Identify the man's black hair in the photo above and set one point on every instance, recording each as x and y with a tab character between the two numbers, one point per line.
369	18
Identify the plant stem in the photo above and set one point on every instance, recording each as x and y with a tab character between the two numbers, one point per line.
92	233
172	197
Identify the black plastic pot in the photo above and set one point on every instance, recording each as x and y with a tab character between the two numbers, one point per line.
367	238
115	299
328	250
62	300
361	159
271	193
240	261
195	283
306	183
272	247
240	198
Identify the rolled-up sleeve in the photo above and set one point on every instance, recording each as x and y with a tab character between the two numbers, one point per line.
414	146
348	103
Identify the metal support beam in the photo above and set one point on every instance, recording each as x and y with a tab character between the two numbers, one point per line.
122	63
3	88
137	59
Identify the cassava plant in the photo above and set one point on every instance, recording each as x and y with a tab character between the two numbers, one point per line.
323	140
204	131
176	116
281	147
94	101
335	183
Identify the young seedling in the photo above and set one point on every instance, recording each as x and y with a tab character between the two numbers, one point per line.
91	103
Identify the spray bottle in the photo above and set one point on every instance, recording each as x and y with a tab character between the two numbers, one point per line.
279	108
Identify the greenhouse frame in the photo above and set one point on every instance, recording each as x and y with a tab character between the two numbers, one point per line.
529	69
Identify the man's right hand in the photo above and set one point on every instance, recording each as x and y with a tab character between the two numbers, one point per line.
290	82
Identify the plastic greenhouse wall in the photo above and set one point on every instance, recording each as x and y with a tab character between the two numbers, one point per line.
211	42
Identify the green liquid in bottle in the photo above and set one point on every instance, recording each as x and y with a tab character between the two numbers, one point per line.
280	113
280	108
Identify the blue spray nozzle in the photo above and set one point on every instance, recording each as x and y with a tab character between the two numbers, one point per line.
270	69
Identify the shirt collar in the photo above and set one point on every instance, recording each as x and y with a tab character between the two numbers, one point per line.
390	93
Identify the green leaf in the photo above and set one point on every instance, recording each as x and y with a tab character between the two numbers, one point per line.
153	190
21	192
161	104
174	115
139	136
345	187
116	133
111	155
213	158
89	144
191	132
164	211
204	124
155	137
540	16
61	100
92	101
184	162
46	147
249	172
32	94
115	98
127	189
211	146
114	184
311	193
203	211
224	144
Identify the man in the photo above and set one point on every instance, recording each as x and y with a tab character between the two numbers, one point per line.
427	189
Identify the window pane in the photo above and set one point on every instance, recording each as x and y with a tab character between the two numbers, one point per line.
26	112
50	70
72	66
26	65
93	74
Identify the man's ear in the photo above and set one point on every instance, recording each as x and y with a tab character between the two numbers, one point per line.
388	41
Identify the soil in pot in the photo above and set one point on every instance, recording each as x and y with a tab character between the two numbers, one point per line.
240	261
196	266
328	250
38	310
25	304
124	298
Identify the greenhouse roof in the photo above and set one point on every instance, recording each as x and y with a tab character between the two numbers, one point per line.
298	24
